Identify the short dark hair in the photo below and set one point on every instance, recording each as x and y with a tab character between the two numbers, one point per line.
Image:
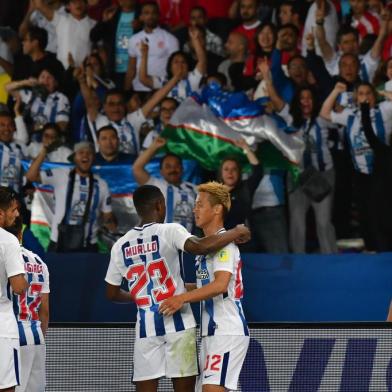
149	3
7	196
52	125
295	57
344	30
114	91
168	155
106	128
5	113
144	197
41	35
344	55
172	100
291	26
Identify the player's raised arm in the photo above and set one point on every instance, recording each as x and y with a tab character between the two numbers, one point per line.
212	243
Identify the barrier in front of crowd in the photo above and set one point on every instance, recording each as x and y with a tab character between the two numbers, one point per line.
281	288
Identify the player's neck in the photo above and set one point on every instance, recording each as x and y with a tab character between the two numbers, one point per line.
213	227
148	219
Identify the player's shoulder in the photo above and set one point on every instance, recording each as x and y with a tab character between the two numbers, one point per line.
227	253
7	238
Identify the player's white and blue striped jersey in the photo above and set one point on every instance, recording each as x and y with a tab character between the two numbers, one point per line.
26	306
222	314
180	201
150	259
11	155
361	152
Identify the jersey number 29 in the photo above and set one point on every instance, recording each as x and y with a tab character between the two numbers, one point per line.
141	275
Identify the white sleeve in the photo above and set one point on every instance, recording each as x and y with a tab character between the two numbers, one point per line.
157	82
46	285
114	275
137	119
331	64
26	95
54	177
132	48
63	109
224	259
13	258
5	52
57	18
194	78
371	65
177	235
21	135
106	203
342	117
172	43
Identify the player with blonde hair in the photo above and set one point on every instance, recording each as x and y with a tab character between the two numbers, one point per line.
225	335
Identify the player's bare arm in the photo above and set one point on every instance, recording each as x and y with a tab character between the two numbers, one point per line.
212	243
43	312
117	294
18	284
218	286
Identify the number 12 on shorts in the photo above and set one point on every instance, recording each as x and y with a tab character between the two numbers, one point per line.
141	275
213	363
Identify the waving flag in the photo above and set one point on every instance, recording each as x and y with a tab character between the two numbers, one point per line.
205	127
121	185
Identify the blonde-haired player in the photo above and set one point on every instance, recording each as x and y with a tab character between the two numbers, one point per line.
225	335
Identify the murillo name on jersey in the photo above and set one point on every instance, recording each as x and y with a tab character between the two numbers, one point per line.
140	249
33	268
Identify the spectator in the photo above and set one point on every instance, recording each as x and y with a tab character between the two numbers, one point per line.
43	100
199	19
383	78
178	63
381	190
348	42
37	18
161	43
115	30
250	22
79	203
287	42
236	49
179	195
241	191
73	28
12	152
289	13
51	140
361	152
362	19
128	125
108	147
303	114
330	22
35	58
166	110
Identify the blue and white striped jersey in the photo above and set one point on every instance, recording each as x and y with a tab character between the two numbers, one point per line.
223	314
150	259
361	152
26	306
11	155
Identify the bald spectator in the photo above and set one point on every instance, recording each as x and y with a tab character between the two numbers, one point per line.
236	49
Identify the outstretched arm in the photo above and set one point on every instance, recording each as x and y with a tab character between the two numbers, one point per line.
329	103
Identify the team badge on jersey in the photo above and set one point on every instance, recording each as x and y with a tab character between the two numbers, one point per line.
223	256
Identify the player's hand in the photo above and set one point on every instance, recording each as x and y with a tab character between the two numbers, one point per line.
243	234
264	68
171	305
309	39
31	82
241	143
340	87
320	10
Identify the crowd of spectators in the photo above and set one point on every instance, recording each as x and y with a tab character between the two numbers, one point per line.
98	80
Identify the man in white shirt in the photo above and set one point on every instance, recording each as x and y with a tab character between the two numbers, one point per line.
72	31
161	44
11	273
74	191
180	195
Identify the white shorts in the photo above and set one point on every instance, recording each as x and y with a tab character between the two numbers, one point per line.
221	360
172	355
9	363
32	376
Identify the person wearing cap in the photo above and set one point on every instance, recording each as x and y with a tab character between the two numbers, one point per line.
44	101
82	157
109	148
